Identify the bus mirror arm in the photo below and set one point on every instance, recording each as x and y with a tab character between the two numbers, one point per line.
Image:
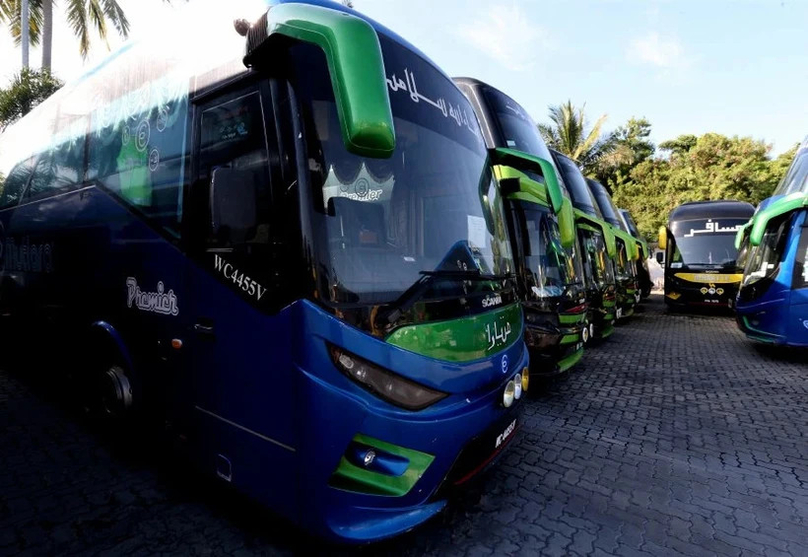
354	57
523	161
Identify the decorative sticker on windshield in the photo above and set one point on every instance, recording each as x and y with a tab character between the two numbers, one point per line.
711	227
456	113
477	231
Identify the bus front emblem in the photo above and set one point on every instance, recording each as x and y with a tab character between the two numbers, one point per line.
504	364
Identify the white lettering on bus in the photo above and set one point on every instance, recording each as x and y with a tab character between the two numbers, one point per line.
162	302
27	257
244	282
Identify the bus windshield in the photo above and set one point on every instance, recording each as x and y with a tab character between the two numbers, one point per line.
380	224
599	271
549	268
519	131
622	264
705	242
796	178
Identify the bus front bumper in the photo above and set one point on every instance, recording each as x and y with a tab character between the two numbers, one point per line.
415	454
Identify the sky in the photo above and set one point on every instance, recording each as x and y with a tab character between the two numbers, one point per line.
735	67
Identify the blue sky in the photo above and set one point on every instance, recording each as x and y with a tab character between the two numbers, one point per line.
737	67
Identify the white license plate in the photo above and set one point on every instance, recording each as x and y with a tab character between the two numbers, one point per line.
505	435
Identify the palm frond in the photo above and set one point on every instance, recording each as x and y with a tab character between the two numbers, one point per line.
77	19
117	17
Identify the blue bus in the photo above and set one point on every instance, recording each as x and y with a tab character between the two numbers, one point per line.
298	259
772	303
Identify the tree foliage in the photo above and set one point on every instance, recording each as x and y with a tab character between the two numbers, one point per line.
569	134
622	150
26	90
709	167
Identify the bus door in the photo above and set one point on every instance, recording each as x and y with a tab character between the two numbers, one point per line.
241	356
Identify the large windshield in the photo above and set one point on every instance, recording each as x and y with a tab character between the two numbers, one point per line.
433	206
606	205
623	265
796	179
599	272
632	226
705	242
576	186
548	267
518	130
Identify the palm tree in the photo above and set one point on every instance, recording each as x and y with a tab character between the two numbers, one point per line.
567	133
11	12
82	16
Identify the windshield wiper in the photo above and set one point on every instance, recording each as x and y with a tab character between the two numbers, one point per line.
414	293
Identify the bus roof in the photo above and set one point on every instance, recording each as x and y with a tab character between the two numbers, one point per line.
723	208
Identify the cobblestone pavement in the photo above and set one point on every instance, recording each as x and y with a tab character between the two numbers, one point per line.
675	436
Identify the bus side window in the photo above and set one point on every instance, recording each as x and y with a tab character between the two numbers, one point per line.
15	183
142	160
233	148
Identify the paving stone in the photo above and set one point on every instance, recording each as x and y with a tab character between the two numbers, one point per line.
674	436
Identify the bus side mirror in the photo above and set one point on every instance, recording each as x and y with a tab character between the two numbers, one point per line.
566	224
660	257
233	199
523	161
355	63
663	237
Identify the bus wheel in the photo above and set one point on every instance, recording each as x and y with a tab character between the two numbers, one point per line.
116	392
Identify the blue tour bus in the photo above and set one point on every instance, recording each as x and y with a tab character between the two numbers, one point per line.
772	302
297	258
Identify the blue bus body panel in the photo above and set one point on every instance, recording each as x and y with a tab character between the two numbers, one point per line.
779	315
261	393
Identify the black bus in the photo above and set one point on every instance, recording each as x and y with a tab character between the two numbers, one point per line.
701	266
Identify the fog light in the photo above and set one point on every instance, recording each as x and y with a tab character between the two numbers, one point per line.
508	395
517	386
525	379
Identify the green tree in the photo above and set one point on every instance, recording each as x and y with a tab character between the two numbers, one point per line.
568	134
712	166
679	146
27	89
624	149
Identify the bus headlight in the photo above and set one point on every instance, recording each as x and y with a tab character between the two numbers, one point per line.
517	386
383	383
509	394
525	379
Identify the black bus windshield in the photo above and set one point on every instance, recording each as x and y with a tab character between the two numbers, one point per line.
599	271
705	242
518	130
432	206
549	268
796	178
576	186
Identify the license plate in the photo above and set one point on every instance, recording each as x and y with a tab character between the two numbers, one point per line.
619	313
505	435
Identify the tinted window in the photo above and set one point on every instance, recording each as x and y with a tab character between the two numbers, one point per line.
576	186
137	150
233	138
15	183
800	279
606	204
518	130
796	179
